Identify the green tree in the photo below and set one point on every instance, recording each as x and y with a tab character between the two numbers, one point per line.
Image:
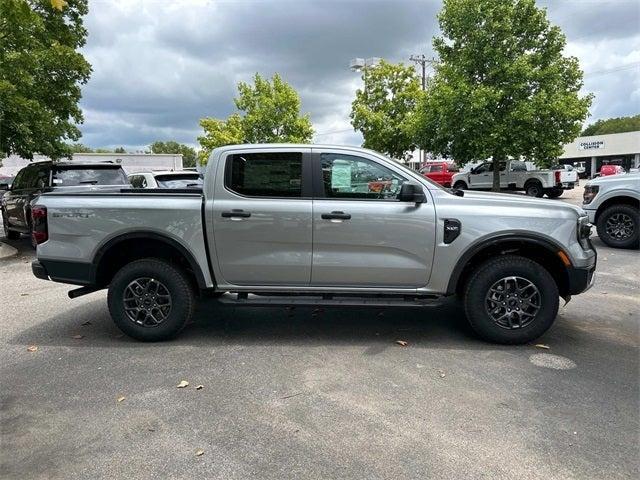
119	150
502	87
41	72
79	148
613	125
171	146
270	112
382	109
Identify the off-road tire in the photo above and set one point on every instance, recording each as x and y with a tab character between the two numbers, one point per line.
181	293
534	189
459	185
554	192
632	241
490	272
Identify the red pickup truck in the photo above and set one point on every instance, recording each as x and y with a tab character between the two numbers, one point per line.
440	172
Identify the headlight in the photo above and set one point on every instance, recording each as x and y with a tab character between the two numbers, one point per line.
590	191
584	231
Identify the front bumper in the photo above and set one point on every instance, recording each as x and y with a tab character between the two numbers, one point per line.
581	279
591	214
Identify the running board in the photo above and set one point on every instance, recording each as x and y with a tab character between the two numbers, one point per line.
327	300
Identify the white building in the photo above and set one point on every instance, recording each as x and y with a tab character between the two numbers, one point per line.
615	148
131	162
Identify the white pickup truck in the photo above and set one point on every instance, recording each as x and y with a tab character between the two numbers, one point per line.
517	175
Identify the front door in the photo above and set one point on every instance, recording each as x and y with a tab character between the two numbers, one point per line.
262	221
362	235
481	176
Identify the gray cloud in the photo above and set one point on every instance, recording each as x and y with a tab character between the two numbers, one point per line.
161	66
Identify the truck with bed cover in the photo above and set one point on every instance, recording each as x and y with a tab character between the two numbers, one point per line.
284	224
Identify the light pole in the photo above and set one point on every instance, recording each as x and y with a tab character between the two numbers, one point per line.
422	60
362	64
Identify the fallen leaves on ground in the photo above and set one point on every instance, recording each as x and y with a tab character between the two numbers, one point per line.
541	345
24	294
32	348
183	384
199	387
86	323
121	399
402	343
441	374
199	452
77	337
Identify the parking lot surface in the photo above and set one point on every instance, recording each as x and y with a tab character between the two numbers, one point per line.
312	393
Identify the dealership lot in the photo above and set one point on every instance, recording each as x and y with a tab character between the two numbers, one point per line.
323	393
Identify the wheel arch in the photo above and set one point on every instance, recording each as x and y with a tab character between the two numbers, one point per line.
537	248
618	200
128	247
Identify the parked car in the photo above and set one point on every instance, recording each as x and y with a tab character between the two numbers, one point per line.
440	172
40	177
607	170
515	175
308	225
613	205
166	179
581	168
5	184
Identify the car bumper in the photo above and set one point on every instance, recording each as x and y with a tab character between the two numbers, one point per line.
581	279
39	271
591	214
75	273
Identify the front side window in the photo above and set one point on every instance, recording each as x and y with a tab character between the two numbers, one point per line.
436	168
277	174
349	176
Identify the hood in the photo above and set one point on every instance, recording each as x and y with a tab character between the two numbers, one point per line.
620	178
515	200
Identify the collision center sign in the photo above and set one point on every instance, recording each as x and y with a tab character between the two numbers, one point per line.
591	145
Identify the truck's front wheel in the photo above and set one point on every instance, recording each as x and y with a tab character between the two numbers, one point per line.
511	299
151	300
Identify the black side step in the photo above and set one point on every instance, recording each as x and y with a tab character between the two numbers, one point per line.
326	300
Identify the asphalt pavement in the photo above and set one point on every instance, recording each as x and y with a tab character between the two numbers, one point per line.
312	393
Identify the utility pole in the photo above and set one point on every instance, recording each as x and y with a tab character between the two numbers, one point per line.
422	60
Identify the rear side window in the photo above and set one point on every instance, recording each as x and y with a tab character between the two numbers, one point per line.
436	168
188	180
65	177
277	174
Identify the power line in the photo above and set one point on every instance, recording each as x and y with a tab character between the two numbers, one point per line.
612	70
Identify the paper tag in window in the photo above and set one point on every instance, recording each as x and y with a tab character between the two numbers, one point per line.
57	181
341	176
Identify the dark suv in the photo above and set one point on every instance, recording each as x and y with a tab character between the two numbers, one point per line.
41	177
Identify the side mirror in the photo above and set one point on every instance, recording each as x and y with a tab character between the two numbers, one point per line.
4	186
411	192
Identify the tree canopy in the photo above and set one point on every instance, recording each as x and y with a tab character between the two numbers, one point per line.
41	72
381	110
613	125
171	146
502	87
269	112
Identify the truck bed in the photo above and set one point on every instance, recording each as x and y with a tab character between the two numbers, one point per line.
78	229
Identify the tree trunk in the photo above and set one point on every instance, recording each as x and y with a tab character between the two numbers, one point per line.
496	173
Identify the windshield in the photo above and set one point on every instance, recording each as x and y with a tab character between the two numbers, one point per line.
73	176
188	180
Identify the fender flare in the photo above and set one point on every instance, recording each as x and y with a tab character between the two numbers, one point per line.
113	242
550	245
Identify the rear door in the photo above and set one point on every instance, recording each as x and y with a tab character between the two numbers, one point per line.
262	219
362	235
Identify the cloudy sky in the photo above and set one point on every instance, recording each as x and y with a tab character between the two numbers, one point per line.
160	65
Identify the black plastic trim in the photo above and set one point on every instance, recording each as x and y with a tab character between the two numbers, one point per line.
152	236
579	279
495	240
75	273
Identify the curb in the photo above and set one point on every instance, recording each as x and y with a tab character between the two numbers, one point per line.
7	251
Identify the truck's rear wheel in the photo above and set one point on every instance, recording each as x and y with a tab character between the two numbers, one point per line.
554	192
619	226
151	300
534	189
510	300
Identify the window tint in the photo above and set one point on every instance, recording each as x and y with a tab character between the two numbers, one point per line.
518	166
349	176
436	168
136	181
277	174
65	176
18	182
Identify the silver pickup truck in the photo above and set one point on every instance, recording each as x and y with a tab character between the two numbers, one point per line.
321	225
